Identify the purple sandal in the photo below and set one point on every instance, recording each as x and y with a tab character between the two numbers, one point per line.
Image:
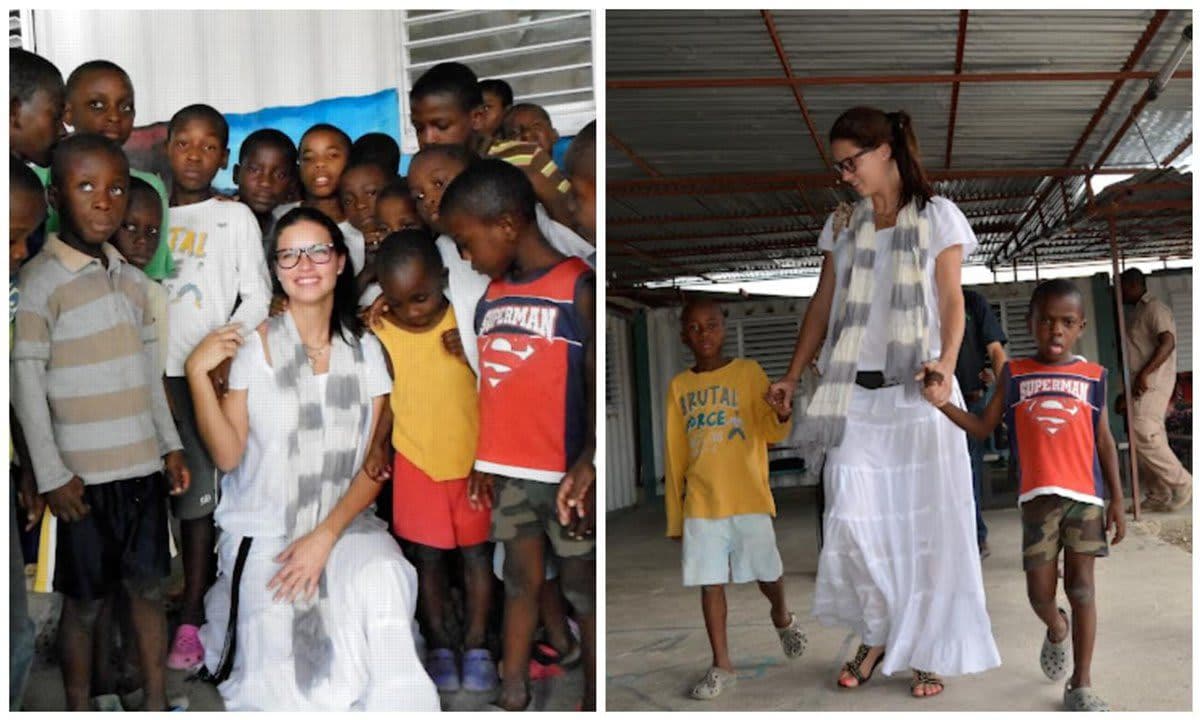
479	671
443	670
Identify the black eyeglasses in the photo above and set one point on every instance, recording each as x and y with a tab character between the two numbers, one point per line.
849	164
290	258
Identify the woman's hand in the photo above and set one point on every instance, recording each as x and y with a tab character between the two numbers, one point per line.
303	562
216	347
779	395
937	378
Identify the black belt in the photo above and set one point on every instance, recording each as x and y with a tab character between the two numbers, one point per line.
872	380
225	666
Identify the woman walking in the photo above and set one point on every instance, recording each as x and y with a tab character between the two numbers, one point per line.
899	564
313	604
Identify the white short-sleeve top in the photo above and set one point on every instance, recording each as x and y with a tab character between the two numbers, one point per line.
254	496
947	227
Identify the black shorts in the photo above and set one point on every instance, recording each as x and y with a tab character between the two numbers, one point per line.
123	538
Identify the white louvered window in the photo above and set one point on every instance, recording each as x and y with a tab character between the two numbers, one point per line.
1181	307
770	341
545	55
1012	314
612	387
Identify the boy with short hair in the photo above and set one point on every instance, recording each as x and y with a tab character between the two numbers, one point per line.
580	166
395	208
1066	460
265	174
358	191
378	148
218	253
719	423
95	415
497	99
99	99
529	122
35	109
535	327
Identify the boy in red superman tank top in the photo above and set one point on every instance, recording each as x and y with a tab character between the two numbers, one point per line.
535	328
1066	459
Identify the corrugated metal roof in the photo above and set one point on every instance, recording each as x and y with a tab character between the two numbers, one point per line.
709	131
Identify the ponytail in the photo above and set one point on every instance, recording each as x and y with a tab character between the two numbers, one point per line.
871	127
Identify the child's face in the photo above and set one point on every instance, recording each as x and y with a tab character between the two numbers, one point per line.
414	295
441	120
703	331
26	211
528	125
196	153
35	127
1056	324
489	247
583	205
493	113
91	196
138	236
358	190
398	212
428	177
264	179
102	103
323	157
308	281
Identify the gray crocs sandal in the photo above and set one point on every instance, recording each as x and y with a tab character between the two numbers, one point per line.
714	682
1083	699
1054	654
792	638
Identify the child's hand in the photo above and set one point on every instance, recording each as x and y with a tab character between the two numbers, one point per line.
776	400
452	341
216	347
179	478
1116	520
279	305
782	390
376	466
219	377
575	497
67	503
479	490
935	388
29	499
303	562
372	317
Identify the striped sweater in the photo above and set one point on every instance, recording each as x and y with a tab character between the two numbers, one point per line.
86	388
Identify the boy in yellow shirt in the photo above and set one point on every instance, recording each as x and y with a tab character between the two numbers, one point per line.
719	421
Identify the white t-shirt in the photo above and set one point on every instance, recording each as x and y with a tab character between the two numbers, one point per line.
218	253
254	496
947	227
466	287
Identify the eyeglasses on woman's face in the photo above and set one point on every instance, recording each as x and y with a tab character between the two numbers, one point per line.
850	165
320	254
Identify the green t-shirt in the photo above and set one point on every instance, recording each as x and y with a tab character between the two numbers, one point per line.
161	266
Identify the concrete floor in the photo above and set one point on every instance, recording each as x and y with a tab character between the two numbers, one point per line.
657	648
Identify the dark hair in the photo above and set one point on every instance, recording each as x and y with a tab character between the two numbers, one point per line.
1134	277
520	107
1056	288
489	189
449	78
396	187
378	148
499	88
354	164
457	153
695	301
140	186
870	127
90	66
23	179
268	137
580	158
326	127
405	246
345	293
79	144
28	73
200	111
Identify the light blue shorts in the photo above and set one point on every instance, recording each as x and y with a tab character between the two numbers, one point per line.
740	548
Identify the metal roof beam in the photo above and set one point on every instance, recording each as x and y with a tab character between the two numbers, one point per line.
1187	141
887	79
787	71
637	159
958	64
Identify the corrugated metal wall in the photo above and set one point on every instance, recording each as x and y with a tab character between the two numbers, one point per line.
620	476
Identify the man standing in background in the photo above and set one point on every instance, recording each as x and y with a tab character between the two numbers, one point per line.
983	343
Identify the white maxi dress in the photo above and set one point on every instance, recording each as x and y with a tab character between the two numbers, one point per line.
899	564
372	587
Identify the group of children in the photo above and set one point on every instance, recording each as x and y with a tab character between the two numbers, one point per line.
475	272
721	415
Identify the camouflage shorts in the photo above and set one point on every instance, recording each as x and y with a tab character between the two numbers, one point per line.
527	507
1052	522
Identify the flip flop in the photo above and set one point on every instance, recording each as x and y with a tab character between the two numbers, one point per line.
854	667
921	677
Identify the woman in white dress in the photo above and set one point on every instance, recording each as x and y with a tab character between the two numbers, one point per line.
899	564
313	604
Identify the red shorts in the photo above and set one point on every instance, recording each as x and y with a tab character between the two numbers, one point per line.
435	513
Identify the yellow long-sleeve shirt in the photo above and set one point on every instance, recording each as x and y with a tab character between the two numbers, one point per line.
718	428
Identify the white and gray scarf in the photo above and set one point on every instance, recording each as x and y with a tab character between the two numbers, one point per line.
908	344
323	435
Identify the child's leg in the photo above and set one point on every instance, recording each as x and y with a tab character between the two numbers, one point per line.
150	625
75	637
477	567
433	594
1080	583
780	615
712	602
523	576
198	567
579	585
104	671
554	617
1041	585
